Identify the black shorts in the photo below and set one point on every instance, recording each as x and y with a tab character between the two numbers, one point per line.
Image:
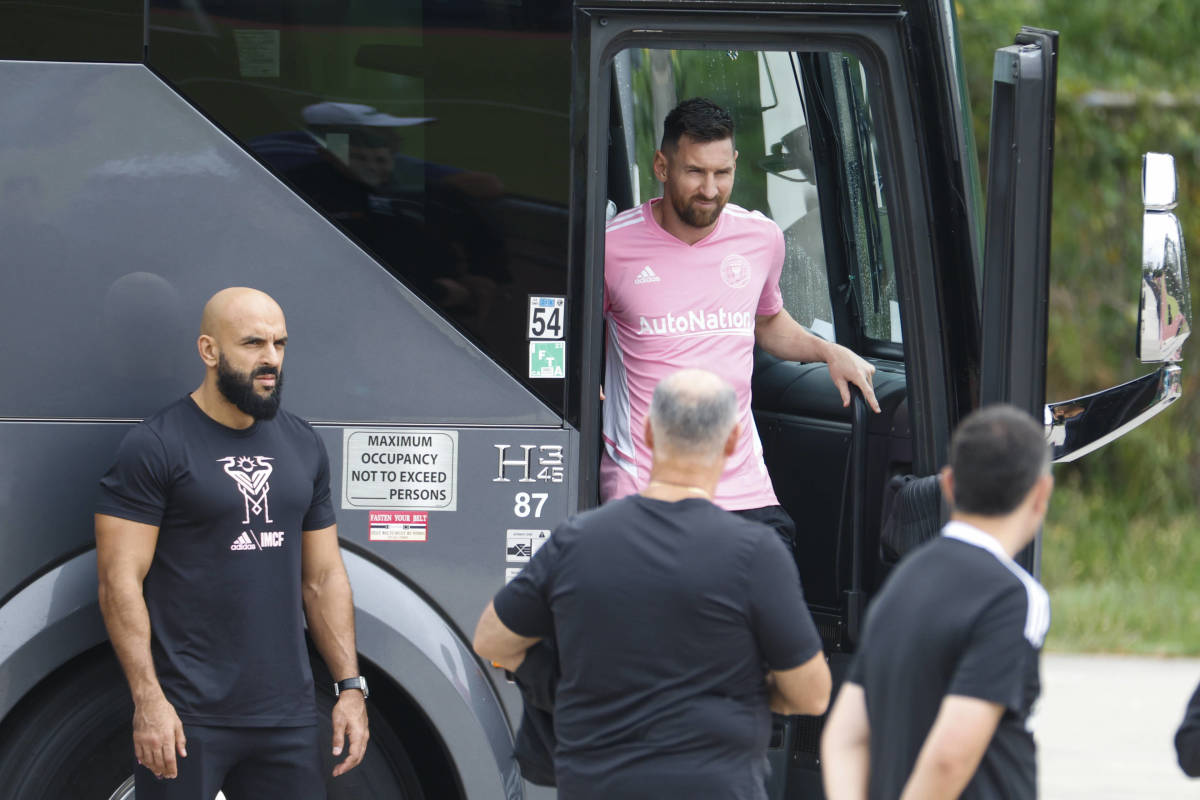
775	518
244	763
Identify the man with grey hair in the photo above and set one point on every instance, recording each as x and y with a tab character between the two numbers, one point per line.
679	625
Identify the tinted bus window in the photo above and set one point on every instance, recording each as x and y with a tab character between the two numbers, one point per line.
71	30
434	133
765	93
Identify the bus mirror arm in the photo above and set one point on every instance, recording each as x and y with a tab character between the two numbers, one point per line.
1076	427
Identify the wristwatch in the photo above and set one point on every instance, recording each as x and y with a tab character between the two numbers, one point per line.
358	682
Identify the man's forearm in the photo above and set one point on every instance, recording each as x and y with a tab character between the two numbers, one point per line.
494	642
937	781
785	338
845	770
779	703
775	699
128	622
846	746
329	606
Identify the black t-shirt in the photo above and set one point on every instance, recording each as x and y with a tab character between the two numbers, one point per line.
223	591
667	616
958	616
1187	738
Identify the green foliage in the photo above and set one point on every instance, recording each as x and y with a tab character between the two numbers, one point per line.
1122	547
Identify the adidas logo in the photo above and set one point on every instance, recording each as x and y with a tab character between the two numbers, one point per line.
243	542
647	276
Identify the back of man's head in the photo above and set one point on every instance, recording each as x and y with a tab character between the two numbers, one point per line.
996	455
700	119
692	414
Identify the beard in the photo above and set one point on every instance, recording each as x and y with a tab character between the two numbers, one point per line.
238	388
696	217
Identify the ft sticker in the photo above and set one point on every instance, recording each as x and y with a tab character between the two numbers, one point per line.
547	317
520	545
398	526
547	359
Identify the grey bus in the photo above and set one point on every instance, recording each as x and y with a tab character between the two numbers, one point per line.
423	185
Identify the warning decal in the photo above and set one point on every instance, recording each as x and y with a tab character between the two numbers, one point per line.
400	468
520	545
398	526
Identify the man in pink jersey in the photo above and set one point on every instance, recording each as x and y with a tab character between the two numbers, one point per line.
693	281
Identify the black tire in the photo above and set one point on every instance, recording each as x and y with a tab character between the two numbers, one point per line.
74	740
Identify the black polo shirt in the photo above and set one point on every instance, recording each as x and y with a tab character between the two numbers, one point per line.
957	617
667	617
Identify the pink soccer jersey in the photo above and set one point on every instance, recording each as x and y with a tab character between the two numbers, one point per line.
670	305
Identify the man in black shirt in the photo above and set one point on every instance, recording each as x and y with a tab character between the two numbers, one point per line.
1187	738
937	700
215	537
679	625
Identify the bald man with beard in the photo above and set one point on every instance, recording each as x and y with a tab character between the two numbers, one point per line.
216	540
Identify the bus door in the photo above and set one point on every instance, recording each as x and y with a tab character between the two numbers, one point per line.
823	133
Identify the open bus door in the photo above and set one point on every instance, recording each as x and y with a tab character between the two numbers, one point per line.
825	118
1017	270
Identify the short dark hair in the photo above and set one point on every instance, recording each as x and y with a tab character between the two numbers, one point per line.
996	454
700	118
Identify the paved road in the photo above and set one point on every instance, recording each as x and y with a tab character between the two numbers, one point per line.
1106	725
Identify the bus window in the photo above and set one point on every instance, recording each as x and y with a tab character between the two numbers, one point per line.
434	133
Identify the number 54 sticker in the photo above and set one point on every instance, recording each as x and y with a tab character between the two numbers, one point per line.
547	317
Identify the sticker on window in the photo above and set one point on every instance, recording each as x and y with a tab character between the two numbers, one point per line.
547	359
547	317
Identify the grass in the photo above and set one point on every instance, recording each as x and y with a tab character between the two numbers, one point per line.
1123	577
1122	617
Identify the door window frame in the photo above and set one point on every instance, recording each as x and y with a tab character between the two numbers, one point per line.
877	39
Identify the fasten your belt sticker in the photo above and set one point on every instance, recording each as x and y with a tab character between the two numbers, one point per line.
398	526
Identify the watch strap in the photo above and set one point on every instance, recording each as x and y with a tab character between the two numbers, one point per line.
357	682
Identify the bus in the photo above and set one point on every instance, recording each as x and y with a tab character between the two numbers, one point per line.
423	186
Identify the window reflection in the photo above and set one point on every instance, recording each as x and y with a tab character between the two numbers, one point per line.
71	30
435	133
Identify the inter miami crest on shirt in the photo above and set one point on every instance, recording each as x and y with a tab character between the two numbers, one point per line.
251	474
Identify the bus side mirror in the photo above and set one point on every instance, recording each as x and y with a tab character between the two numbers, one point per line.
1165	313
1077	427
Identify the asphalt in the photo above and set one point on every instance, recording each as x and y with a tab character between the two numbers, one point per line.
1105	727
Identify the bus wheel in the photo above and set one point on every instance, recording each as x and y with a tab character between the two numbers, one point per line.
74	739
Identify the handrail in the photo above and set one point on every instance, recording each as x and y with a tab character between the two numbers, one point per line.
854	597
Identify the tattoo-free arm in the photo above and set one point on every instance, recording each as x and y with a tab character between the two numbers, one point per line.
783	337
494	641
124	552
951	753
801	690
845	746
329	608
